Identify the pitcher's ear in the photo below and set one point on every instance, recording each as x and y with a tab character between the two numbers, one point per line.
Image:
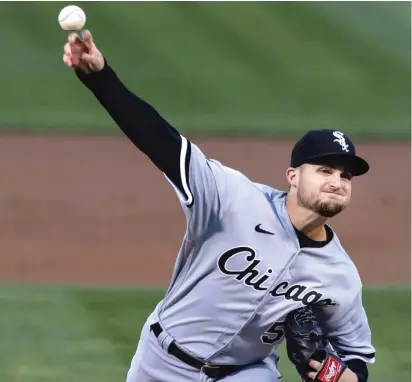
292	176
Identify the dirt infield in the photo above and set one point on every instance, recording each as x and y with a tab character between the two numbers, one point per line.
95	210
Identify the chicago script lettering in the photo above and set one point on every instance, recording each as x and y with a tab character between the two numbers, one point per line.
249	275
252	277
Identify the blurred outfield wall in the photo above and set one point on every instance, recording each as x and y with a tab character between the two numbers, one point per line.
232	68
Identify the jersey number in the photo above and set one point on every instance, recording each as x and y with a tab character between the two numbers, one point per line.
274	334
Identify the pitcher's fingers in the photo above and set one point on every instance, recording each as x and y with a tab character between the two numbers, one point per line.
73	37
67	49
315	364
67	60
87	39
87	57
312	374
76	49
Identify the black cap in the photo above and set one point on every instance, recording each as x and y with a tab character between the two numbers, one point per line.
329	147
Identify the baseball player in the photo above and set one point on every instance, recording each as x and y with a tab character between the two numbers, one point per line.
251	254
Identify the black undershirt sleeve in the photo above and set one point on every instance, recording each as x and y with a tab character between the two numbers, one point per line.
141	123
359	368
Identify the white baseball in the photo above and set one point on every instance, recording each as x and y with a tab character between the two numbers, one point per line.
72	18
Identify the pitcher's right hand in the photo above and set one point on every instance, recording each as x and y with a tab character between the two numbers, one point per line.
81	53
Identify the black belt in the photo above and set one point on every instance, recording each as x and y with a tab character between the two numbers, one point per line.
212	371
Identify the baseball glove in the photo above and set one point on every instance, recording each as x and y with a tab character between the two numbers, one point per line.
305	340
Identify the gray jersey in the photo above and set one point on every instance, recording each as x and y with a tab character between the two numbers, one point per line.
240	271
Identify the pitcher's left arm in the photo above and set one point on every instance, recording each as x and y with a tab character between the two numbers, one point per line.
349	332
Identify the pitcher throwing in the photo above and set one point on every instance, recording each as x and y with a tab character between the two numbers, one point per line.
251	254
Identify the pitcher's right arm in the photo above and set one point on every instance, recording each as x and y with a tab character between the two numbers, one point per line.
198	182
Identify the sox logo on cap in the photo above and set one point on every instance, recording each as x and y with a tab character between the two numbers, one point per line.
341	140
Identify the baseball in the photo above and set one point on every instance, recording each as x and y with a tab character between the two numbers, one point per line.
72	18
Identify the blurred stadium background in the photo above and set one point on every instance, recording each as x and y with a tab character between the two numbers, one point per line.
82	264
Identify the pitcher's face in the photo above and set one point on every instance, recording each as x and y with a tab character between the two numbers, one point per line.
323	189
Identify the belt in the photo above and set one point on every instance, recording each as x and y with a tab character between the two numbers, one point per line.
212	371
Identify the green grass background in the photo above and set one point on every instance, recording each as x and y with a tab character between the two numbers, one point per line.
90	334
251	68
218	67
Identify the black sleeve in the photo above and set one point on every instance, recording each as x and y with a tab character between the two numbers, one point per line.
359	368
141	123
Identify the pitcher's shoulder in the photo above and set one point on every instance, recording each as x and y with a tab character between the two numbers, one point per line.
271	192
239	183
341	249
237	176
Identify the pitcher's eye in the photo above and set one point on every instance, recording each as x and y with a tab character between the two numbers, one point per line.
346	175
325	170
